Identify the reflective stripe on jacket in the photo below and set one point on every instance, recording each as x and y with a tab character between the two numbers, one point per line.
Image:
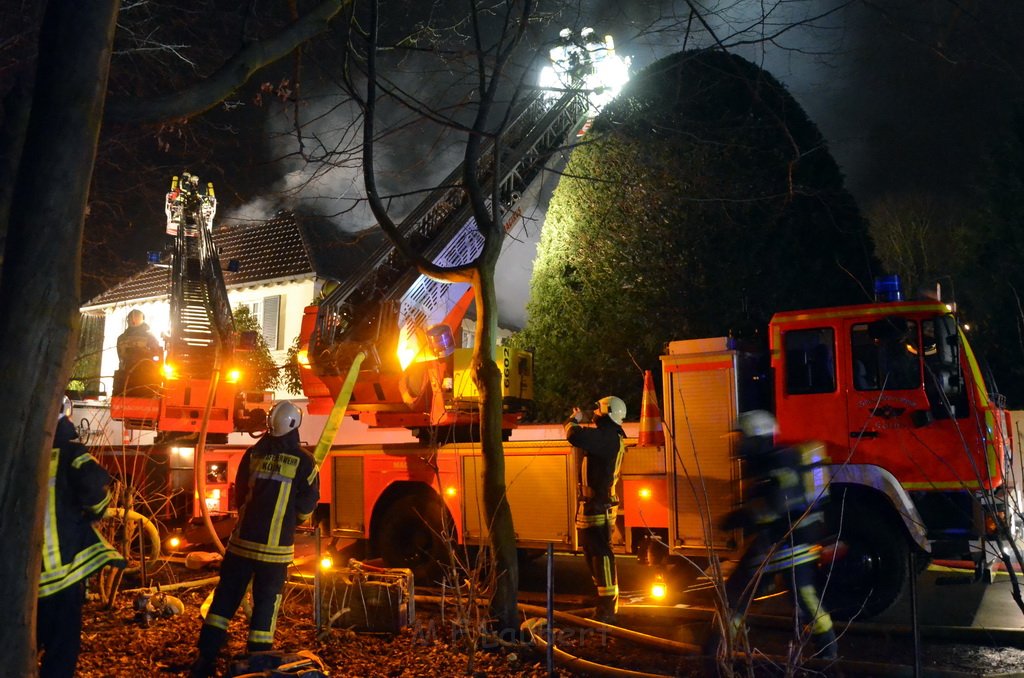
76	496
278	487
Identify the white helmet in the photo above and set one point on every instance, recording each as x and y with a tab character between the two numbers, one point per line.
283	417
756	424
613	407
65	408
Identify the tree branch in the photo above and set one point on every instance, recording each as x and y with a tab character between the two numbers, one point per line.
424	265
210	91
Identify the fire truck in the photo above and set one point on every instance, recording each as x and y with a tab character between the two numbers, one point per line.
916	438
917	441
415	374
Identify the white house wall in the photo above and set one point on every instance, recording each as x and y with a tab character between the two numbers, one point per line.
295	295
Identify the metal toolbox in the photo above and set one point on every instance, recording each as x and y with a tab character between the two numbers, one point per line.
367	599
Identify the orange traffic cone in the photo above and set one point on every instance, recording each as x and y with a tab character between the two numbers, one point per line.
650	432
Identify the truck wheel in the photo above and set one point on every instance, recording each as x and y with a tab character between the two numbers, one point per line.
869	574
413	534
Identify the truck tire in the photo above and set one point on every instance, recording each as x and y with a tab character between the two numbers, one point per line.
871	572
414	534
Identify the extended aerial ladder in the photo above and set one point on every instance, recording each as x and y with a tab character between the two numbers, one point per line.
197	370
416	375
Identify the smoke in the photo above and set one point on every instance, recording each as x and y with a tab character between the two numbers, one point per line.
321	152
900	94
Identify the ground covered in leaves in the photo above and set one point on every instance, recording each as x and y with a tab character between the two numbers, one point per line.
119	641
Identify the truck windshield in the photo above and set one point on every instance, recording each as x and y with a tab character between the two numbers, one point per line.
944	379
885	355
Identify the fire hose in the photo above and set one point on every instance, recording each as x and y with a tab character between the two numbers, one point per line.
533	626
147	525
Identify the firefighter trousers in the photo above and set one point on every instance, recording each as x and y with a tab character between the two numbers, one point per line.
59	631
761	562
595	534
236	572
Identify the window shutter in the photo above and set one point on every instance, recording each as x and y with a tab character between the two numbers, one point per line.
269	321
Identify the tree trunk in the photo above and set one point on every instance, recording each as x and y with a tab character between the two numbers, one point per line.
496	507
39	295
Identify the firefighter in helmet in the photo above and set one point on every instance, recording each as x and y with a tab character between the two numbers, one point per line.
277	488
138	354
76	497
784	520
599	450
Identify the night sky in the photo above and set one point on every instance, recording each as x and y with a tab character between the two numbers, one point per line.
904	101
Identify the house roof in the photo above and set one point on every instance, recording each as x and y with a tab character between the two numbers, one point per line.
281	247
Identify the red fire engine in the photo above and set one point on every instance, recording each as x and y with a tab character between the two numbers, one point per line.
916	438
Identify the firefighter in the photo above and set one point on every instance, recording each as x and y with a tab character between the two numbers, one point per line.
138	353
599	451
76	497
787	486
278	488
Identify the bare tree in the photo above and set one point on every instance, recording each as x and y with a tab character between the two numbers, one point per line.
922	237
492	63
42	217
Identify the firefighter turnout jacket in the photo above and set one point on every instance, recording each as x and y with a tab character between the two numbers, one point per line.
790	487
77	496
599	449
599	452
137	344
278	487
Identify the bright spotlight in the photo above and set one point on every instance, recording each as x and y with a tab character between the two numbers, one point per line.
659	589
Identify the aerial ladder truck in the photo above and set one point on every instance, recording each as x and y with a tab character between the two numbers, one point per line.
416	374
198	382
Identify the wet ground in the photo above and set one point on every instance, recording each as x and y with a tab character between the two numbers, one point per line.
965	628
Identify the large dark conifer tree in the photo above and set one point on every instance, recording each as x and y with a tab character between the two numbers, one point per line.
703	201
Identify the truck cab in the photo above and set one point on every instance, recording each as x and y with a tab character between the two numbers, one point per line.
916	438
917	441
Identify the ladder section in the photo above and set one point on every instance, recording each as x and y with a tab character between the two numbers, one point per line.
201	322
357	313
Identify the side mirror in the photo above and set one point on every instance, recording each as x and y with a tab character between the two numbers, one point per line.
921	418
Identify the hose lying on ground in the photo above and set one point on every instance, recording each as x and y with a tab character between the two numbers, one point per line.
645	639
854	667
533	626
147	525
